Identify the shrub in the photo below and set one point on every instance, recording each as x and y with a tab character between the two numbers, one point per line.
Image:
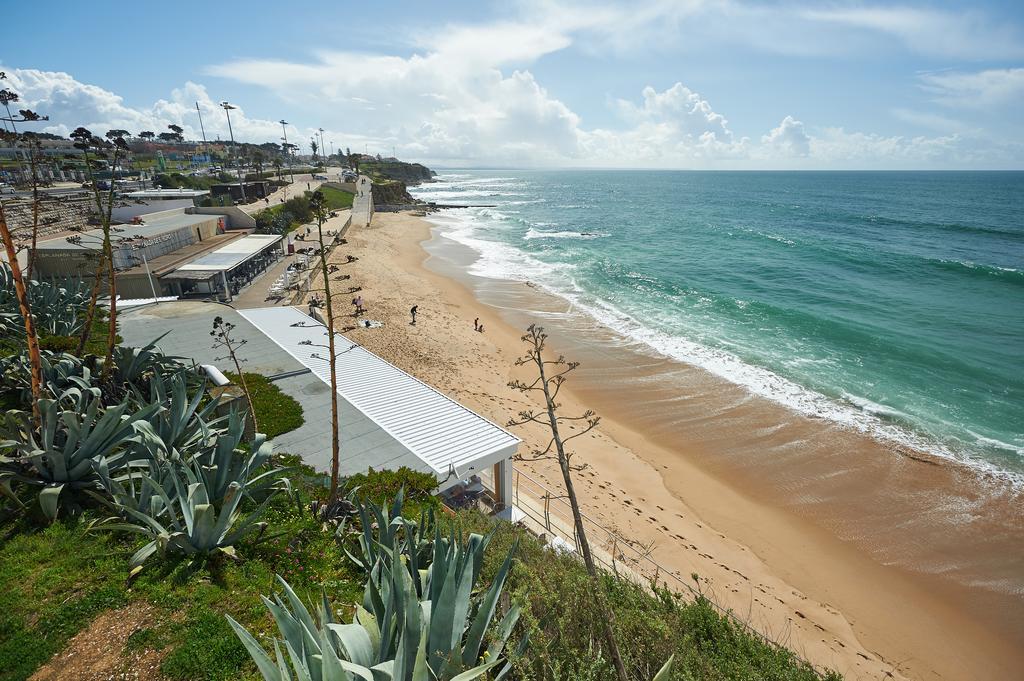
299	207
59	343
381	486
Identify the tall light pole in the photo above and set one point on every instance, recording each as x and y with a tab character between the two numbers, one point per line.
287	150
227	112
322	146
201	128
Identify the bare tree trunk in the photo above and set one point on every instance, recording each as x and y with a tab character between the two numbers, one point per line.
607	616
90	311
245	389
34	358
335	440
35	214
108	250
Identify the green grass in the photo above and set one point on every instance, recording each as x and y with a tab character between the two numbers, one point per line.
337	199
54	581
276	412
566	633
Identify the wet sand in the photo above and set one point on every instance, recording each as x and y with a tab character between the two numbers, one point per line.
878	563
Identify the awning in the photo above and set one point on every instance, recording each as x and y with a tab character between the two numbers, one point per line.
191	275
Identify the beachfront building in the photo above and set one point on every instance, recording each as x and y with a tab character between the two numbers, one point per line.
224	272
146	249
405	422
234	190
387	418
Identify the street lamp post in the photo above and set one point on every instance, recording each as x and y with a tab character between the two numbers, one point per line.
322	146
227	111
287	151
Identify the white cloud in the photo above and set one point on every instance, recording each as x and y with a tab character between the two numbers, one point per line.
966	35
480	116
928	119
795	28
788	139
71	104
978	90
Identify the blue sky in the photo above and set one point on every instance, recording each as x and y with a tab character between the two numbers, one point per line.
664	84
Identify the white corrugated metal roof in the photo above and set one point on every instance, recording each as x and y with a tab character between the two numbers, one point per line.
232	254
438	430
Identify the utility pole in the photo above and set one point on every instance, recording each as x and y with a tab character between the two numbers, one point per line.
322	149
287	150
241	185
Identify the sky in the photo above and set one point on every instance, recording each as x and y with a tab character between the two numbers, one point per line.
688	84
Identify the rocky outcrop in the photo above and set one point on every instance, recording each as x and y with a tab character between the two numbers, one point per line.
409	173
391	192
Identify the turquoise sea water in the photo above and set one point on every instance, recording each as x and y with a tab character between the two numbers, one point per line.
892	302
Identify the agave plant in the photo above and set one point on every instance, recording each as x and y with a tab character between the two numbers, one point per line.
76	432
181	512
135	366
380	534
221	461
57	307
395	635
185	424
60	372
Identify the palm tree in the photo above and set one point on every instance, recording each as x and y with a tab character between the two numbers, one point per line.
257	159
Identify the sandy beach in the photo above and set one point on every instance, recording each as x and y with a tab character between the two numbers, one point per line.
794	543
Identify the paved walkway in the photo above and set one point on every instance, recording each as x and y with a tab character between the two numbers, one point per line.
303	182
257	293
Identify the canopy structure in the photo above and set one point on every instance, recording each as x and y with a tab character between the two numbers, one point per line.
448	439
233	254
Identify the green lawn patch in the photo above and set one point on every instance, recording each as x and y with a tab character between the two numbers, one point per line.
276	412
337	199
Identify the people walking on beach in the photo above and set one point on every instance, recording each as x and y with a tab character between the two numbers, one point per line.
476	324
357	302
413	313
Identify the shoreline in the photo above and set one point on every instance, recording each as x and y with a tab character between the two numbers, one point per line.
790	577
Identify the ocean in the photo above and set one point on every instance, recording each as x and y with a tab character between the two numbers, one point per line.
889	302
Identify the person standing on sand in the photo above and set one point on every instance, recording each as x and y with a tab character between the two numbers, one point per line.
476	324
413	313
480	328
